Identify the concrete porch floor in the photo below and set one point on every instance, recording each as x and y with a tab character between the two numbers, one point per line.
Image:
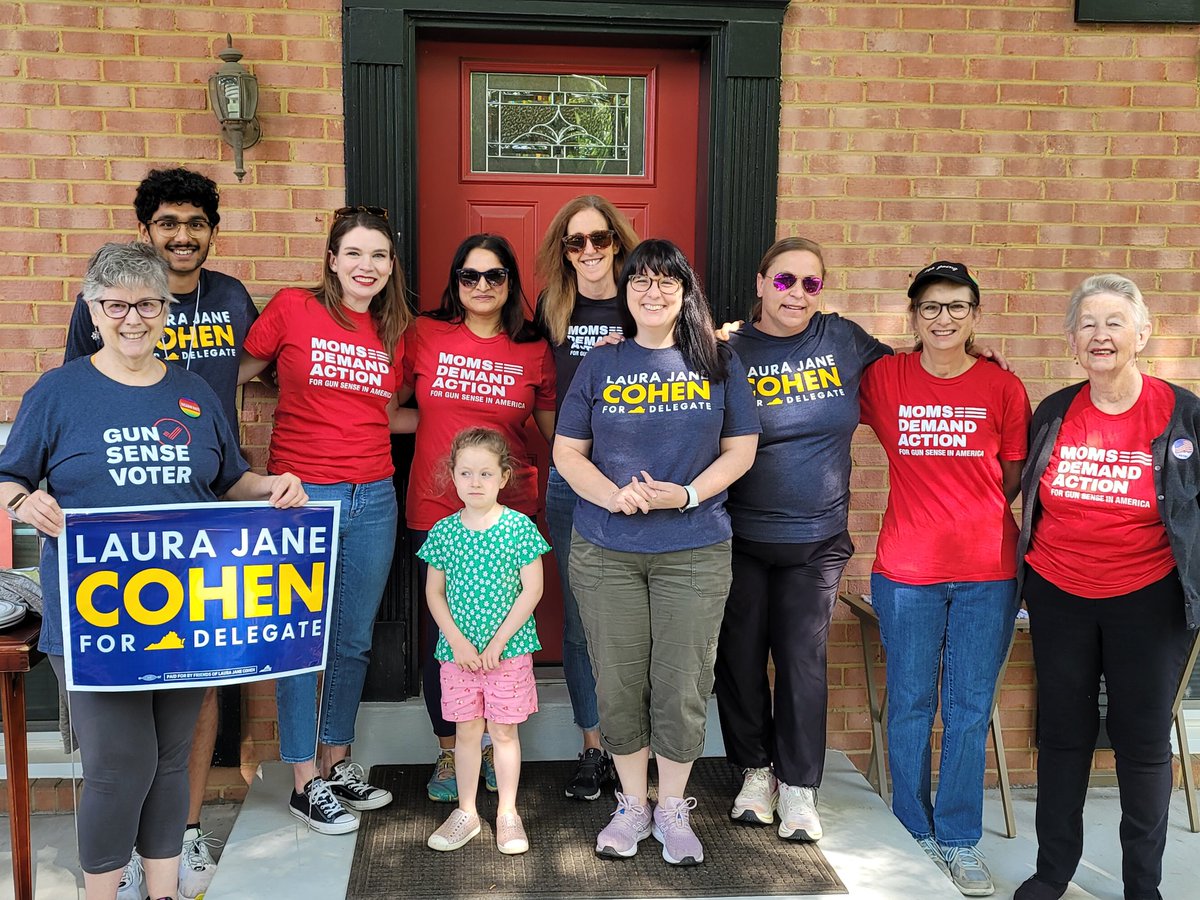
269	854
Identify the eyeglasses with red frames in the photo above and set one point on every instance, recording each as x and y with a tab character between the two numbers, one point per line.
378	211
576	243
810	284
147	308
469	278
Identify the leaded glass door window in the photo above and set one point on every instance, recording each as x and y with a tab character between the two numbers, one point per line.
558	124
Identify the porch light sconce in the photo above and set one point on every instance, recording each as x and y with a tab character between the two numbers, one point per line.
233	92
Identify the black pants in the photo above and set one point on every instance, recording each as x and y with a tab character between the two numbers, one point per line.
428	631
1139	642
780	603
134	748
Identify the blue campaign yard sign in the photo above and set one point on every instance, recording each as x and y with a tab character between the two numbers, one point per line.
195	595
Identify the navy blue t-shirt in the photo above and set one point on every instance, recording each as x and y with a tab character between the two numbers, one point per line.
645	409
806	390
591	320
205	332
100	443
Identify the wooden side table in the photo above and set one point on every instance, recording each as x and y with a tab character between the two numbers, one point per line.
18	654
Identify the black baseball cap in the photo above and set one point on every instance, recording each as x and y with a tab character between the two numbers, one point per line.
943	270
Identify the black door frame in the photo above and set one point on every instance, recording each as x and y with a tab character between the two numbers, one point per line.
740	45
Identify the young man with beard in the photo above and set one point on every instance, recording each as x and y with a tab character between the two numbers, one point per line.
177	214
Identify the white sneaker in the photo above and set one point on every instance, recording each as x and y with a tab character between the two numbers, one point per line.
196	865
755	802
798	819
133	880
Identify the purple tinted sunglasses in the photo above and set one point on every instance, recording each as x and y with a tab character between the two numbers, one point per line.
811	284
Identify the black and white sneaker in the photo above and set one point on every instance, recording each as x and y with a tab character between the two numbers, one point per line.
593	772
346	782
320	809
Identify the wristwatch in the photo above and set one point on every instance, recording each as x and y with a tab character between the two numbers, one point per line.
692	499
13	504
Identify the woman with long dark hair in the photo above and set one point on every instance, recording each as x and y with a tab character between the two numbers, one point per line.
337	349
650	435
474	361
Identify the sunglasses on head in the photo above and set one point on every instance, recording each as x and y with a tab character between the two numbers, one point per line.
811	284
575	243
345	211
469	278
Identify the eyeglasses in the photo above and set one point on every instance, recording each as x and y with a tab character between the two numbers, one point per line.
667	286
575	243
958	309
810	284
469	278
345	211
172	226
119	309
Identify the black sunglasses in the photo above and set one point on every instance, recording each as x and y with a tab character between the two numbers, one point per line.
575	243
345	211
469	278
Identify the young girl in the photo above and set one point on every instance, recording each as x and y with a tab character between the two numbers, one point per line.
485	578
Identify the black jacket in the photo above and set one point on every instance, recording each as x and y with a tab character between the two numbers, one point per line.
1176	483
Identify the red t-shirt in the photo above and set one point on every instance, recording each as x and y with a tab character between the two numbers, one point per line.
946	518
331	421
461	380
1100	533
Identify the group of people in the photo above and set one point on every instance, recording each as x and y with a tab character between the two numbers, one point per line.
698	508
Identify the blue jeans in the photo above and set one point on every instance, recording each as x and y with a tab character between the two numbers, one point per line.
366	541
577	666
963	629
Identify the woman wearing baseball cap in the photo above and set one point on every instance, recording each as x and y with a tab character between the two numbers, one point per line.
943	583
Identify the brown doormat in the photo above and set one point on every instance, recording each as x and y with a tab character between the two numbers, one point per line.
392	861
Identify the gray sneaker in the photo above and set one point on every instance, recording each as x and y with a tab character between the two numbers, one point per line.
133	881
673	829
934	852
968	871
630	823
798	819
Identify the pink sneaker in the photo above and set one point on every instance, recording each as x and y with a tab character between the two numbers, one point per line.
673	829
630	824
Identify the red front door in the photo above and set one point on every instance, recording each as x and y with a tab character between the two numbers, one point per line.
508	133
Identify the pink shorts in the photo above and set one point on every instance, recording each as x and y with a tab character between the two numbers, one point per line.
506	695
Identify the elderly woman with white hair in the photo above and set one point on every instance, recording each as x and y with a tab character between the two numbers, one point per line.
134	744
1111	577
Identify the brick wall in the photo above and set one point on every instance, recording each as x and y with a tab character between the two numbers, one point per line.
92	95
999	133
993	131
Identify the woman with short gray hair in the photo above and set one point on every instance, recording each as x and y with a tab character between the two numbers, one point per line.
1107	559
134	744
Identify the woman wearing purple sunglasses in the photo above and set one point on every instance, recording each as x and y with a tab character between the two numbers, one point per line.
790	542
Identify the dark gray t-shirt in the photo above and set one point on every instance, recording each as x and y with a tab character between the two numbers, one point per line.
645	409
806	390
205	332
591	320
99	443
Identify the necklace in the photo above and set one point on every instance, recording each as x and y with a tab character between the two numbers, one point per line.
195	316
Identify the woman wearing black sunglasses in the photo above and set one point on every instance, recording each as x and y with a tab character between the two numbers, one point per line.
790	540
474	361
579	258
